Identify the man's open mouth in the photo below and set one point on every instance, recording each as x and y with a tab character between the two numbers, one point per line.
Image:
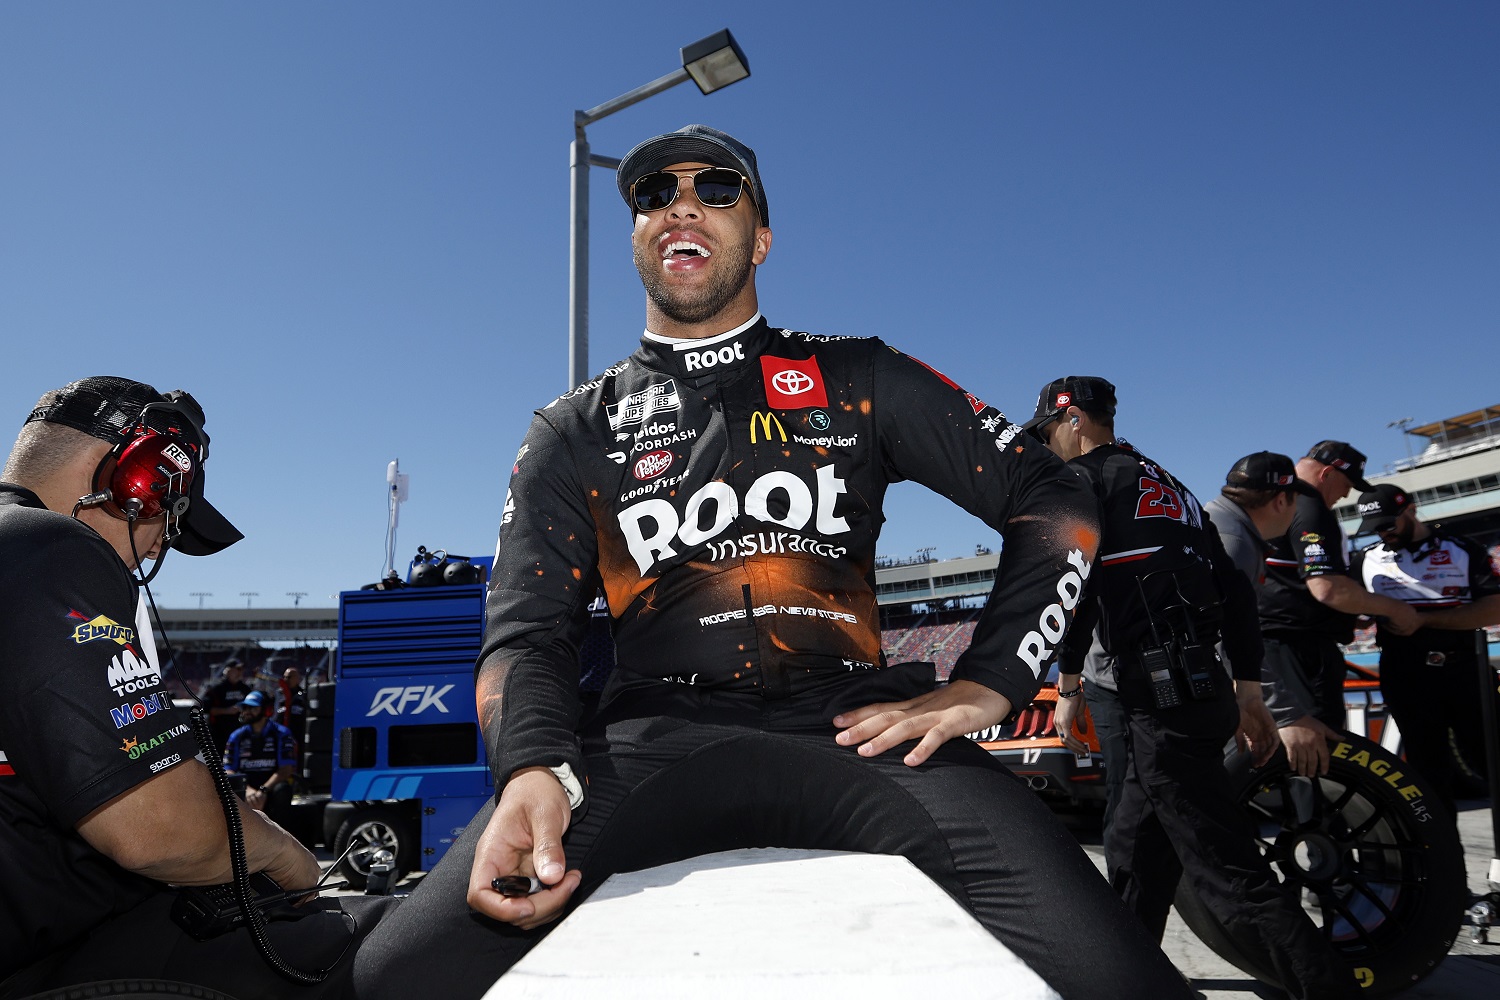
684	250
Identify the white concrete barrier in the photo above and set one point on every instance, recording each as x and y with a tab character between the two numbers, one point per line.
767	924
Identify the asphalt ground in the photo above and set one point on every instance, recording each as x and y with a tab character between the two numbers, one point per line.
1471	970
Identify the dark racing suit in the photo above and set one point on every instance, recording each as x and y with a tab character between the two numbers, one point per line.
726	495
1162	571
1428	678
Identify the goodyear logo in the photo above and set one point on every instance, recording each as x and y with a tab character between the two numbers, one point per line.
765	421
103	628
1385	771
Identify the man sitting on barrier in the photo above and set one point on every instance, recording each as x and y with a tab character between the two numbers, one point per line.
723	486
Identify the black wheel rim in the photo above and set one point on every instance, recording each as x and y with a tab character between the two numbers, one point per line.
1352	856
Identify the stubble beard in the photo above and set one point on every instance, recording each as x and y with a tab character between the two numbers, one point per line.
695	305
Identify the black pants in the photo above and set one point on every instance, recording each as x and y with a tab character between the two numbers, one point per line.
1435	703
1112	726
1177	816
1316	665
707	773
144	943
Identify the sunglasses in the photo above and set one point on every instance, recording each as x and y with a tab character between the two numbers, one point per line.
715	187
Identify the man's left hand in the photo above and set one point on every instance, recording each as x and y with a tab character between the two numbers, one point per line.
958	709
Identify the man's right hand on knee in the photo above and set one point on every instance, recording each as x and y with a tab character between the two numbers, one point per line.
524	837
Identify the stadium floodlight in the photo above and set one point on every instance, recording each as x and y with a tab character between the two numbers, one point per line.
712	63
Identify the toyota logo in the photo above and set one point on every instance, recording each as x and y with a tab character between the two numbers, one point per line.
792	383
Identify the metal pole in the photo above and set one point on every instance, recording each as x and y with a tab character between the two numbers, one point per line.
1491	744
578	260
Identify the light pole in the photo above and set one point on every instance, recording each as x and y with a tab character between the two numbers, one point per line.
296	596
248	594
201	594
1402	424
711	63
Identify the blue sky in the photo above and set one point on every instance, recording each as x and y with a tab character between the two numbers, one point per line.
344	228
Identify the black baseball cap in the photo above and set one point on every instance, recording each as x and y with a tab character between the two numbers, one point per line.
107	407
692	144
1344	457
1379	508
1089	393
1266	470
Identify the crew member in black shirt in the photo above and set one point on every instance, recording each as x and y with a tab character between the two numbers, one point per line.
102	797
1429	678
223	698
1161	596
1308	606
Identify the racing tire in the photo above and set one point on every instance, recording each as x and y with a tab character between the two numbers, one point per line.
370	829
1378	866
139	989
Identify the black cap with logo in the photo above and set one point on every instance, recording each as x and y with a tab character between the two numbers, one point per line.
1380	507
1344	457
106	407
1089	393
1266	470
692	144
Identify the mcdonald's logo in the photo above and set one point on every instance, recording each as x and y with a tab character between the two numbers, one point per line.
766	421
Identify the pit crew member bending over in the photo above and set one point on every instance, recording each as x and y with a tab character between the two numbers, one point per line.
102	799
1428	678
1162	594
723	485
1308	605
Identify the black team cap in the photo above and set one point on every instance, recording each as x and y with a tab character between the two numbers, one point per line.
1379	508
1344	457
1089	393
692	144
107	407
1266	470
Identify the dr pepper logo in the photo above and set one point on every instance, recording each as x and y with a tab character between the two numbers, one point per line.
793	385
652	464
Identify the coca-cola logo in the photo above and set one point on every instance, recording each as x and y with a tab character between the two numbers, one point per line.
652	464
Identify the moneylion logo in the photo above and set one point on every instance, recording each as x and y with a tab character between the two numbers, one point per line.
765	421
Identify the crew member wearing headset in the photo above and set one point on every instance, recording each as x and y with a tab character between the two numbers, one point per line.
103	800
1160	598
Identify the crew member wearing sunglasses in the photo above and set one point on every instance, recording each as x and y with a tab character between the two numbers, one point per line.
723	487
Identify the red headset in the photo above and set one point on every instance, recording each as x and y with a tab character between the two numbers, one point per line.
150	471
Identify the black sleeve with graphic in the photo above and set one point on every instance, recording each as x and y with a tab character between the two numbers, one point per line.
544	578
81	719
1316	541
932	432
